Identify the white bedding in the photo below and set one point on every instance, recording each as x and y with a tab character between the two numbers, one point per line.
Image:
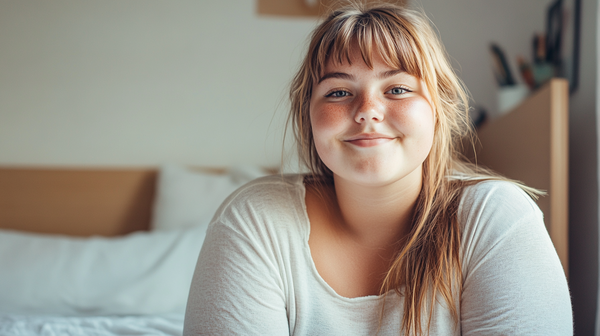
136	284
31	325
143	273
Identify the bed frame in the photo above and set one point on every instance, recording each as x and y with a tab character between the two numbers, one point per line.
78	202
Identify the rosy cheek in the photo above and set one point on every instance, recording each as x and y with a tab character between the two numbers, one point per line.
329	117
411	113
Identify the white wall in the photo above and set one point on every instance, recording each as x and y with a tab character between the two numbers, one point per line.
467	27
198	82
122	83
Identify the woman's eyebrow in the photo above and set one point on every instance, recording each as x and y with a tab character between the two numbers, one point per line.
390	73
341	75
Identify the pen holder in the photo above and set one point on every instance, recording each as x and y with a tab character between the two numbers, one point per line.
510	96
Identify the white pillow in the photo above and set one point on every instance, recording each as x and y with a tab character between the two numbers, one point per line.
186	198
141	273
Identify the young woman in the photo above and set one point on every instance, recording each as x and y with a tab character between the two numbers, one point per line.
390	233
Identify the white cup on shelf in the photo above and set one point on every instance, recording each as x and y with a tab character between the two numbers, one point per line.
510	97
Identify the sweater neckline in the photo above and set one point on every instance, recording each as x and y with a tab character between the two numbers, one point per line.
303	218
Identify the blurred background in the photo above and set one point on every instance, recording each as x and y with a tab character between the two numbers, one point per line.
135	83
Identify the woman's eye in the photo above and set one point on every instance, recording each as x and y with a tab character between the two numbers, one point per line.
338	94
398	91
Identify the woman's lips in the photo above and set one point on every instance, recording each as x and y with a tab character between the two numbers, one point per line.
369	140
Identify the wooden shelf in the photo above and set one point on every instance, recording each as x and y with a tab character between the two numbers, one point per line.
531	144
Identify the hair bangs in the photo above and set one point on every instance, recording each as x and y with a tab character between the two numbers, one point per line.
373	33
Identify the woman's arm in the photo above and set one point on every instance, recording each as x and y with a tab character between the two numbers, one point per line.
236	289
514	283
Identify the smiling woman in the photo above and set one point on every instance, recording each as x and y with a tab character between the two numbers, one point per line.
371	124
390	232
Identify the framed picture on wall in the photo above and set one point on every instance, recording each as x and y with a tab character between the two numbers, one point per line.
570	46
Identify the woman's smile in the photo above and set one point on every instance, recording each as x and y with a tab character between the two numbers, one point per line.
369	139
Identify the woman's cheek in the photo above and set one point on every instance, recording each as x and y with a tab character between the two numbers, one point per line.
412	114
327	118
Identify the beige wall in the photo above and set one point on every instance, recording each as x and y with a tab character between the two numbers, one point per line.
142	82
198	82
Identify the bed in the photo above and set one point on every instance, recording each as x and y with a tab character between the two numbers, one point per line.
104	251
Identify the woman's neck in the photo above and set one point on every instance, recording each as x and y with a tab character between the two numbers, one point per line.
377	216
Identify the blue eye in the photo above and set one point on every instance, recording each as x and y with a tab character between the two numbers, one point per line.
398	91
338	94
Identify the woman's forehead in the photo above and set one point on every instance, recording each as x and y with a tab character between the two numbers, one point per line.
357	56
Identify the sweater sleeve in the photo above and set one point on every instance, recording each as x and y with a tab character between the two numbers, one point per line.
236	288
513	282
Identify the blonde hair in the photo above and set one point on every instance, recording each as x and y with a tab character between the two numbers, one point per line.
428	263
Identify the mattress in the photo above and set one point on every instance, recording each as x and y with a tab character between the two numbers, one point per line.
31	325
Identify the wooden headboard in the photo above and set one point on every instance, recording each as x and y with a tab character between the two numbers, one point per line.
76	202
81	201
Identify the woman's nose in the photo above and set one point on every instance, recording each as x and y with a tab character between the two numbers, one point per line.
369	109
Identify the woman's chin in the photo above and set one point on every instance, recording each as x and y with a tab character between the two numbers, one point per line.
378	177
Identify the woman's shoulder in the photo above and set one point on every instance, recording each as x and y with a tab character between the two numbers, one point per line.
493	213
511	272
497	195
268	191
269	186
493	210
264	203
496	205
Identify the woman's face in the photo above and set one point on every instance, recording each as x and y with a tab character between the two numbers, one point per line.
371	126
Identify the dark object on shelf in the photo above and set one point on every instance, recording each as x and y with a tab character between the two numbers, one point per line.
539	48
501	69
526	72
